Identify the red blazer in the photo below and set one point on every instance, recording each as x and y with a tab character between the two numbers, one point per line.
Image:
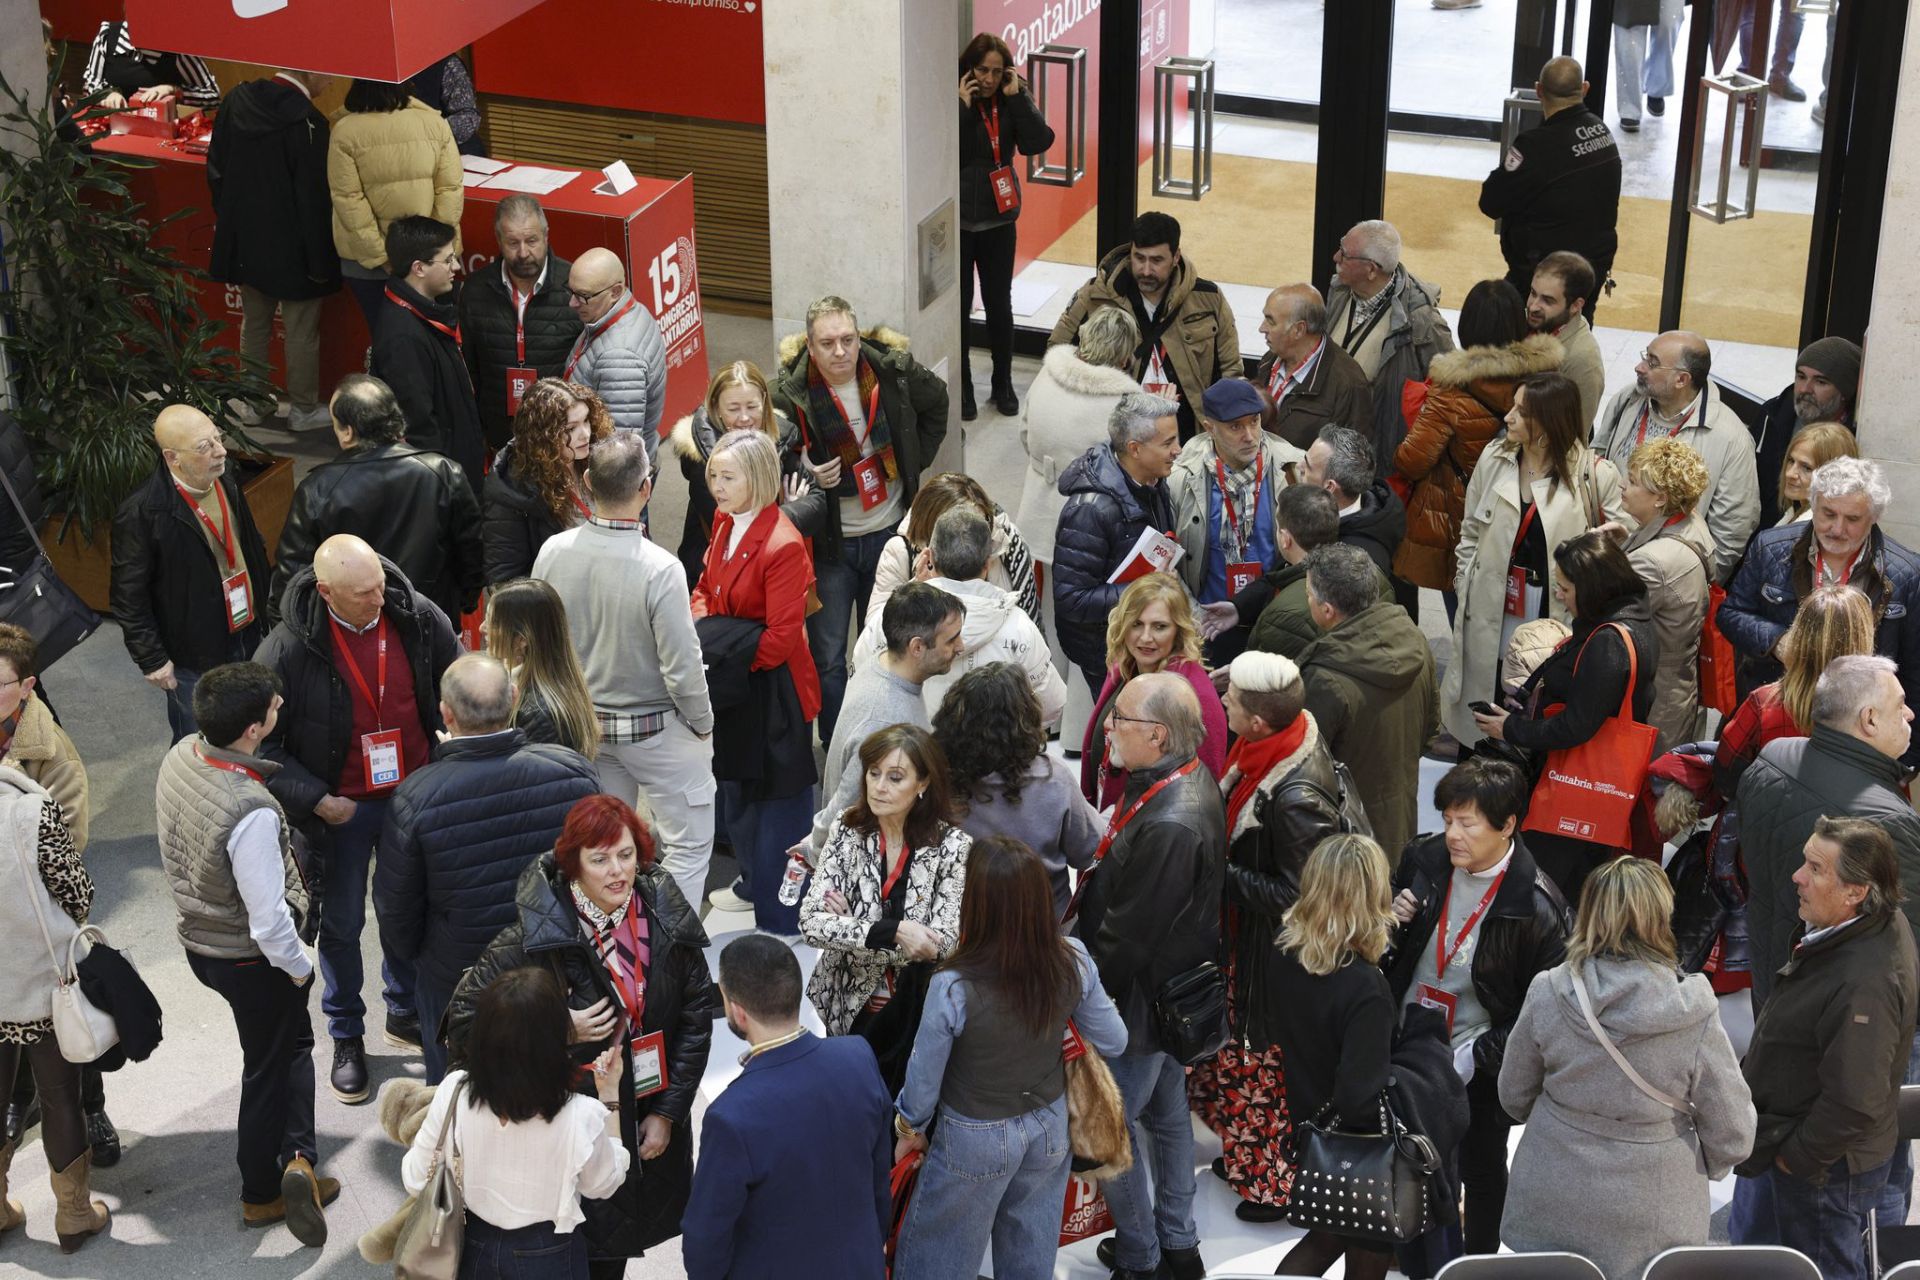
765	580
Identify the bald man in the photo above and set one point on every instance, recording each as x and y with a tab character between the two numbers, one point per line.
441	894
1311	381
1672	395
1558	186
359	654
619	352
189	568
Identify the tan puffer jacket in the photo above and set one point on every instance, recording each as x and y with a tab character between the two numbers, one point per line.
384	165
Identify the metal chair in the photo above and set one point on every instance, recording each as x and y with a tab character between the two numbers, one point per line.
1896	1242
1521	1266
1905	1271
1748	1261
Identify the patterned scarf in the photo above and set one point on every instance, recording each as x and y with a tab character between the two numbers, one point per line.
829	424
620	940
11	726
1240	492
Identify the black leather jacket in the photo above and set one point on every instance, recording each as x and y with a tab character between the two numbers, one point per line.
681	1002
1525	933
1151	909
413	506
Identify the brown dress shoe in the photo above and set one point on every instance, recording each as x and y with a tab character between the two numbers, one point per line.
263	1215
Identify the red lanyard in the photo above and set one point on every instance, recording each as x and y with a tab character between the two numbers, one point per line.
452	331
1442	954
1646	414
353	668
228	765
224	534
1526	523
1673	520
581	503
519	323
873	412
991	119
899	868
1226	499
1118	825
588	339
1278	386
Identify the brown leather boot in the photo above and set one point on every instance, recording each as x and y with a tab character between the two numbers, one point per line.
77	1216
11	1214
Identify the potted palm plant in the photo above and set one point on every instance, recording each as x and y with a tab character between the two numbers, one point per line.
100	326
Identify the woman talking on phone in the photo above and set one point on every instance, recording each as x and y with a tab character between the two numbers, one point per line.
998	121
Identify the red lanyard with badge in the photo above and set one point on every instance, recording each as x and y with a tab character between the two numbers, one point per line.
229	765
451	331
1523	598
520	377
380	750
588	340
870	473
1119	824
1443	955
1006	195
1241	573
236	590
1646	415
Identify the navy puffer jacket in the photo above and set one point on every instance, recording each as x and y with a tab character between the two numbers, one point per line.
1100	523
458	834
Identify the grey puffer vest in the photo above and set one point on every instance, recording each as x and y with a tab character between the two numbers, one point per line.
199	806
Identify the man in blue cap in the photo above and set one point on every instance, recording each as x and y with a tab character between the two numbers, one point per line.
1223	488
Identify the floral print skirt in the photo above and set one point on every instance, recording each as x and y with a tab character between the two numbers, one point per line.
1241	1095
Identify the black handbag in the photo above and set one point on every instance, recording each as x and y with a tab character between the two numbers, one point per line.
891	1029
1372	1187
1191	1014
38	602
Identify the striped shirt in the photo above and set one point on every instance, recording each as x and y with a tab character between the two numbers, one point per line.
182	70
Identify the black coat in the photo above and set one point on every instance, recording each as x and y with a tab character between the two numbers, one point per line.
1524	933
316	721
1430	1099
518	523
487	329
17	525
681	1001
763	740
1284	822
429	376
166	579
1335	1033
273	213
1378	527
413	507
1023	132
1558	187
1591	687
1150	910
459	832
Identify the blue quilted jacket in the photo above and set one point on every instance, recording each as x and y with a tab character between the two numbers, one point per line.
1099	524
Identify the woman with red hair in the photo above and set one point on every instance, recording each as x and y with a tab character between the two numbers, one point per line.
612	927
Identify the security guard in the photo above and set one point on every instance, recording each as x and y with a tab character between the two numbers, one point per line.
1558	186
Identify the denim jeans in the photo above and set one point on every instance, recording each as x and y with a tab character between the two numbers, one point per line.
1898	1195
762	831
1153	1088
843	586
1824	1222
180	703
1788	22
343	910
998	1180
535	1252
430	1001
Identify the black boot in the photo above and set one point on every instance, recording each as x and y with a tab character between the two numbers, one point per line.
104	1139
1005	402
968	409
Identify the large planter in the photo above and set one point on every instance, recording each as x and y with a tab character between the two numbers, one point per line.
87	565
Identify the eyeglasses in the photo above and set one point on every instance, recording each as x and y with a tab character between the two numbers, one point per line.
1341	255
584	298
1137	720
1652	361
204	449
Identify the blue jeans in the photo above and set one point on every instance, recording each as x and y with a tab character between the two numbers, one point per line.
998	1180
1153	1088
1788	22
1898	1196
180	703
1824	1222
843	585
762	832
535	1252
343	910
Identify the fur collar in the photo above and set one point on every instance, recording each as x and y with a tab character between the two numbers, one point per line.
880	335
1250	815
1540	353
1064	365
692	436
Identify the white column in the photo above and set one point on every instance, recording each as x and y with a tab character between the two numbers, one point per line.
1890	378
862	146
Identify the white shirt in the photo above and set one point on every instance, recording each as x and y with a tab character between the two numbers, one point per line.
741	523
515	1175
1351	507
260	875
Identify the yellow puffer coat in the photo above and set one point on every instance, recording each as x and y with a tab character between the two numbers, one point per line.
384	165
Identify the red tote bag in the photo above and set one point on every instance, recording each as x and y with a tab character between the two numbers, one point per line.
1588	792
906	1173
1718	689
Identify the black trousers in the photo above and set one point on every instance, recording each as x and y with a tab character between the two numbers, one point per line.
276	1080
1483	1164
991	252
93	1088
62	1130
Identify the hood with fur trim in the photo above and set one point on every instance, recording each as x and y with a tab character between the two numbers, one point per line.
1538	353
693	435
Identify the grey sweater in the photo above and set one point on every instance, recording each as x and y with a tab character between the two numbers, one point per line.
875	699
1051	818
631	619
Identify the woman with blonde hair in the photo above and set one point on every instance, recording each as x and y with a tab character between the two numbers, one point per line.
1812	447
536	489
738	399
1673	554
1625	1079
526	628
1151	629
1333	1014
758	569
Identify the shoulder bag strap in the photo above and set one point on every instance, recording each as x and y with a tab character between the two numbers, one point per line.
1613	1050
1633	664
447	1135
6	482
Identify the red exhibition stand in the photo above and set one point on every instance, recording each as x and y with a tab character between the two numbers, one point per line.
650	227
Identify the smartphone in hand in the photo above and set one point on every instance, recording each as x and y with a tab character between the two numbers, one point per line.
1482	707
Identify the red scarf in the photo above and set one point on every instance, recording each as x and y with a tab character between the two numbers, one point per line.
1255	760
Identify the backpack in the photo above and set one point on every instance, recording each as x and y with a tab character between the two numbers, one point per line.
1353	814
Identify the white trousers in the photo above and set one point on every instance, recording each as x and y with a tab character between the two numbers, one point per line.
669	780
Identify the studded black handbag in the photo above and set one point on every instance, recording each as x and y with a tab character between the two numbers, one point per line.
1372	1187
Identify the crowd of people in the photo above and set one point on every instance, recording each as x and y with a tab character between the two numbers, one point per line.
849	672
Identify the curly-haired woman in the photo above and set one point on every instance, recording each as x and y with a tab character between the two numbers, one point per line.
535	488
1673	554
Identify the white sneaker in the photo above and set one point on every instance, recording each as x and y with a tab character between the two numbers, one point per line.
314	419
727	900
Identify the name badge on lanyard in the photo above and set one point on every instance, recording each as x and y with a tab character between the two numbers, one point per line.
1523	596
381	753
650	1064
519	378
239	596
870	478
518	381
1434	998
1006	193
1242	574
